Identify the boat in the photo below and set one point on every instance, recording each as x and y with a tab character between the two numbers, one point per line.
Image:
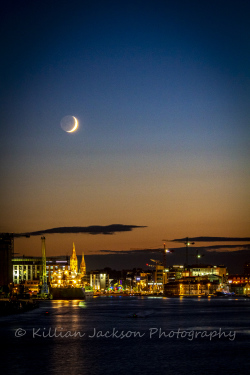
224	294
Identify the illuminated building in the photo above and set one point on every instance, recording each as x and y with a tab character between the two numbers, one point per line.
58	271
238	279
53	264
159	279
191	286
30	268
208	270
73	260
159	274
32	286
99	281
247	289
174	272
212	272
196	280
141	282
240	288
29	271
240	284
70	278
83	266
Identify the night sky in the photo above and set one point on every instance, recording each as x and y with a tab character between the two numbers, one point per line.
161	90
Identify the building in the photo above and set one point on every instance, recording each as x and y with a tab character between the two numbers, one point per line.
159	278
83	265
26	268
238	279
206	270
6	255
159	275
196	279
99	281
174	272
178	272
190	287
30	268
32	286
61	271
68	276
247	289
141	281
240	288
54	264
73	260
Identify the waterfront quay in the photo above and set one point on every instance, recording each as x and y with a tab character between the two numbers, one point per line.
15	306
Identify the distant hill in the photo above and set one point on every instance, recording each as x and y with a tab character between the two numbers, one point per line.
234	260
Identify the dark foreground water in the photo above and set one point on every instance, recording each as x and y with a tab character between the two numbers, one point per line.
101	336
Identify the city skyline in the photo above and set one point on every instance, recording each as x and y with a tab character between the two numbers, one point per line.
161	93
233	253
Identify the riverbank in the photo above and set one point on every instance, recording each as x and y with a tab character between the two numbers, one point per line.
8	307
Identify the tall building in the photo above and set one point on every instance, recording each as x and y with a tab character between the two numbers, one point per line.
6	254
160	276
159	279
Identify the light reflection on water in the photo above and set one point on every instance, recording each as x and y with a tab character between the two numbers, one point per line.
54	354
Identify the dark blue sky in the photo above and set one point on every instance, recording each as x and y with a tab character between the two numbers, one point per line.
161	90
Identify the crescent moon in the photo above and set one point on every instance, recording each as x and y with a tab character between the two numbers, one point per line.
75	125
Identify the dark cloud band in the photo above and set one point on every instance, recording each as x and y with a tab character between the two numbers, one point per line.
214	248
94	229
212	239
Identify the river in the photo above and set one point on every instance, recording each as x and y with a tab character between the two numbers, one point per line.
129	335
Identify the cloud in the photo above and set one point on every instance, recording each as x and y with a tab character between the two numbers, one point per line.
212	239
215	248
93	229
132	251
226	248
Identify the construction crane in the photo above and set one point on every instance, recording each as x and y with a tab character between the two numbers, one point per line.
44	289
158	263
187	243
164	251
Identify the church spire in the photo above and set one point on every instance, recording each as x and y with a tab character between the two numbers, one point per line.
83	266
73	260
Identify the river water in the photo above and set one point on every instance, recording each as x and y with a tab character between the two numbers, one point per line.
129	335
